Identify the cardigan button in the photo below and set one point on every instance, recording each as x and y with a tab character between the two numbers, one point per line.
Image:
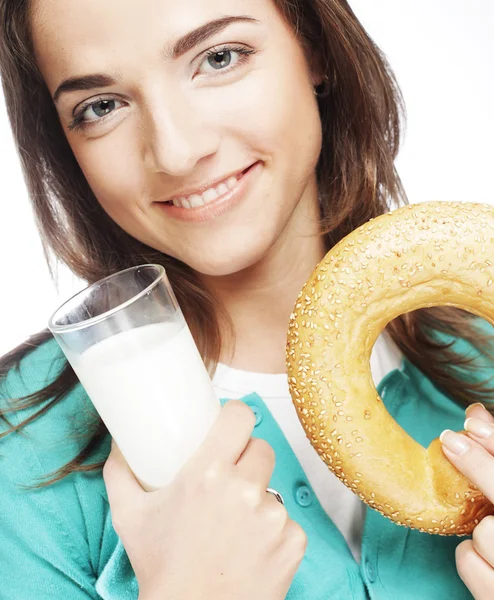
303	496
257	413
371	572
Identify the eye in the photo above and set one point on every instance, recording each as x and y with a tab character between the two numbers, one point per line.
224	59
220	60
98	109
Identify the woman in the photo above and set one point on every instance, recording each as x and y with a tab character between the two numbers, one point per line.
234	142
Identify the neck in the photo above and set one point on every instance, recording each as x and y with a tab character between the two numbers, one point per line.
261	298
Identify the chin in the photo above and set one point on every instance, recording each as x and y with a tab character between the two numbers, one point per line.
226	263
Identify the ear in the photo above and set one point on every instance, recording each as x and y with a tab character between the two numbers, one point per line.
317	67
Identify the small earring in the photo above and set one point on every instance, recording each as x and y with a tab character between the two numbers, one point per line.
323	88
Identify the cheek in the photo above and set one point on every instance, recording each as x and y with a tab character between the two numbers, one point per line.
278	116
111	167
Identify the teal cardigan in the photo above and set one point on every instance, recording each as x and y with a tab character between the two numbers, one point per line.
58	543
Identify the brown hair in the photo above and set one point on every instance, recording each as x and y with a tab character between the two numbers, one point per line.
361	110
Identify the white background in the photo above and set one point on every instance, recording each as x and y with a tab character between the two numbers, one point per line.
442	52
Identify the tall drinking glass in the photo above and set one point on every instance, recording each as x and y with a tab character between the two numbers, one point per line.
129	344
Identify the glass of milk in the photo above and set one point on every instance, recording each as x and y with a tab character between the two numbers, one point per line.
129	344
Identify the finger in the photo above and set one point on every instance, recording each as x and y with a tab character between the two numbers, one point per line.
478	411
475	573
228	436
121	484
482	432
483	538
471	459
257	463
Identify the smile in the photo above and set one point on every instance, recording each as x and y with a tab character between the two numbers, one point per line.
208	195
213	201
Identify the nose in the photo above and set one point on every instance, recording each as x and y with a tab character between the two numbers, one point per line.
176	139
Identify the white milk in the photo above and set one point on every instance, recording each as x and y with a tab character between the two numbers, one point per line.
153	392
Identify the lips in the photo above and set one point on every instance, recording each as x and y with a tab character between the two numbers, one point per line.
210	194
237	186
207	196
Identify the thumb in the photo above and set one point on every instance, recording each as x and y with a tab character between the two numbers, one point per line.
121	484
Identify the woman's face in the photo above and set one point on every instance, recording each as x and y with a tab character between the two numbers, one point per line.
196	124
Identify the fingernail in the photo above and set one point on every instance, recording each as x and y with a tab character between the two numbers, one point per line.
454	442
479	428
474	405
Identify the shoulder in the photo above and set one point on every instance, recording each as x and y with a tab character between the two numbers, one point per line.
37	368
70	517
468	358
475	351
56	434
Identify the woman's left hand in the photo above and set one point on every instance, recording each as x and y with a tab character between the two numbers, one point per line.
474	457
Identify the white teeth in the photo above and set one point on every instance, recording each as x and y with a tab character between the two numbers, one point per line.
210	195
231	182
196	200
207	196
222	189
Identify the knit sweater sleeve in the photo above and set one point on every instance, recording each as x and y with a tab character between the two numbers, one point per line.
52	540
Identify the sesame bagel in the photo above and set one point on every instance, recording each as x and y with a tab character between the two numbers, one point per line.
418	256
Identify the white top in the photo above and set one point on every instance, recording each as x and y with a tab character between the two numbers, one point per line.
343	506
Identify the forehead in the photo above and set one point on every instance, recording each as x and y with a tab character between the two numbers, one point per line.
72	36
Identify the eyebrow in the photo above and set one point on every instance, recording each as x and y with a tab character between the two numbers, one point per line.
179	48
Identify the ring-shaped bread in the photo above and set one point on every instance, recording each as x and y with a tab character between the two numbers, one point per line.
418	256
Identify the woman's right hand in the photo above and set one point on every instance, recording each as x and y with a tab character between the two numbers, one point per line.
213	532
